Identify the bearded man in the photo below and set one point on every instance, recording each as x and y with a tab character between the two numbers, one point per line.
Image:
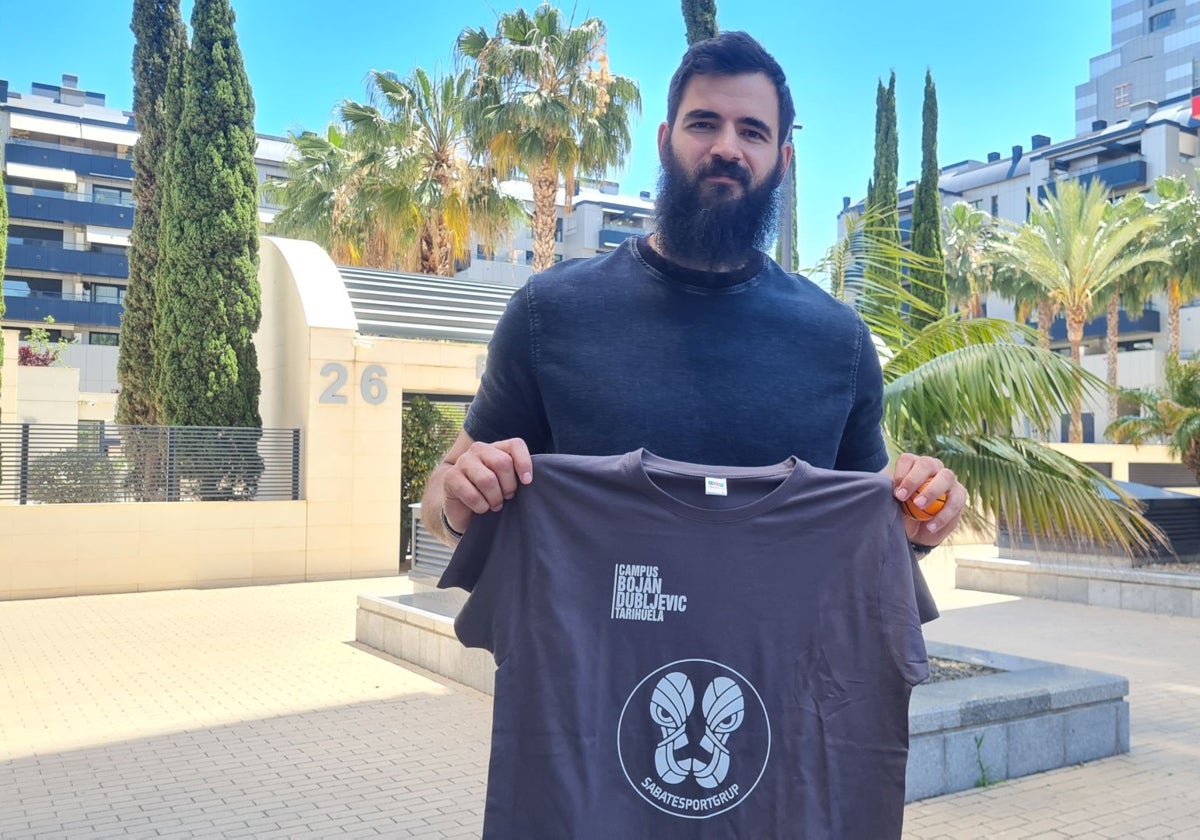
690	343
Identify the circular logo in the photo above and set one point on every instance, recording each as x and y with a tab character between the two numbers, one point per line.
693	738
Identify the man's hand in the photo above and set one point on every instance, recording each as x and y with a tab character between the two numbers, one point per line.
473	478
912	472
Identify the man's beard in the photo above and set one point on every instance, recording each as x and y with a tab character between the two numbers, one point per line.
701	223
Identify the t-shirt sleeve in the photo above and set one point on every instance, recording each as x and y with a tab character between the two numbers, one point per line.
509	402
485	564
900	606
862	446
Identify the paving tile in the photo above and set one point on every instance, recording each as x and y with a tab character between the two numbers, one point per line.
276	723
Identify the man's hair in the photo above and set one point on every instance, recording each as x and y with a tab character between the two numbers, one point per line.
729	54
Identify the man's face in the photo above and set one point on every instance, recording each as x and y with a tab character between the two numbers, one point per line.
721	164
726	135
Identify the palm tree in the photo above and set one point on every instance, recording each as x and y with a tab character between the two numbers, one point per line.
1076	245
396	183
1179	277
1173	413
963	390
330	197
448	190
548	107
965	233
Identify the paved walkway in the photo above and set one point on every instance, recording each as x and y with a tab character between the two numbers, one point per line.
253	713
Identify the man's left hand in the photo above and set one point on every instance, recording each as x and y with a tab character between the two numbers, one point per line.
910	476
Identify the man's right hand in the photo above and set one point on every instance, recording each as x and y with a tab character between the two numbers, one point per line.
474	477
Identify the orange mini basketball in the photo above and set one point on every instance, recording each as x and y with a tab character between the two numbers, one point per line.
930	510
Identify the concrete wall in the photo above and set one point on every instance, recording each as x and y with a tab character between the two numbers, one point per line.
1135	369
8	378
1120	456
46	395
56	550
343	391
97	365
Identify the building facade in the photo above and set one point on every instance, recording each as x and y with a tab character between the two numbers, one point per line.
599	219
1155	57
68	174
1126	148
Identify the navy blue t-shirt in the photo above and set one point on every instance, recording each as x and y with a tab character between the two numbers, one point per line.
676	663
609	354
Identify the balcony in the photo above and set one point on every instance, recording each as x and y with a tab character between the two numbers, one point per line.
613	235
65	309
1098	327
81	161
41	255
1114	176
60	206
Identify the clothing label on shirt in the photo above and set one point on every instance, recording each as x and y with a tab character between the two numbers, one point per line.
715	487
638	594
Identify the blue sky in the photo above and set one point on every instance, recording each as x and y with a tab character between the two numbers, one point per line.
1004	71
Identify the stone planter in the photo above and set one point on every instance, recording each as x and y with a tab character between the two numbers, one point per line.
1030	717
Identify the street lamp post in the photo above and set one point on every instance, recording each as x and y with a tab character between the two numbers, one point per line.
787	244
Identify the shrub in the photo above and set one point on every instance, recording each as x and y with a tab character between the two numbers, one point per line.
73	476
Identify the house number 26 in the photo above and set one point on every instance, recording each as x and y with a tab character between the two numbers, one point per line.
371	385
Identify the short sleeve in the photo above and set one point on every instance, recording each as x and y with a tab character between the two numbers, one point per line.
509	401
900	606
486	563
862	446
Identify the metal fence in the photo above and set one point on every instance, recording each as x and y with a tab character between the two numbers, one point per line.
105	462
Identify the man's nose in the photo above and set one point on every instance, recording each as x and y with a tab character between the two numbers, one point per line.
726	145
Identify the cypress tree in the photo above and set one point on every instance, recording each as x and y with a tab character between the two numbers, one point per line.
886	178
208	299
700	18
882	188
930	285
159	40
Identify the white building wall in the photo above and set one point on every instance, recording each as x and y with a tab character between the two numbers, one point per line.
1135	368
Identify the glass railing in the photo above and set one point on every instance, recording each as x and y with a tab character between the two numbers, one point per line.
84	150
20	291
50	243
89	198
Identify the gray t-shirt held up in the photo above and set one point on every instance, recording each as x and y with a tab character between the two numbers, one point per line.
693	651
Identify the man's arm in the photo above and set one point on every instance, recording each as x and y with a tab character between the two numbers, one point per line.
912	471
472	478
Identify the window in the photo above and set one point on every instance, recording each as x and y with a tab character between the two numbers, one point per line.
1156	2
1162	20
104	339
977	204
111	195
995	206
32	287
35	235
105	293
1122	94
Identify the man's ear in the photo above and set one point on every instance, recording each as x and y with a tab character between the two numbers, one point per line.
664	138
785	155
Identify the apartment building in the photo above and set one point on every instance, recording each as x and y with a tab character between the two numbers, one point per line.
68	174
1137	118
600	218
1155	57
